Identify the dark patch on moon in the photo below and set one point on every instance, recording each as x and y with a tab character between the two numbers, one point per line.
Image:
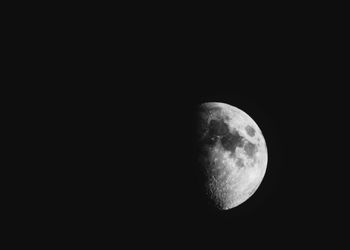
250	149
218	127
240	163
231	141
250	131
218	132
215	131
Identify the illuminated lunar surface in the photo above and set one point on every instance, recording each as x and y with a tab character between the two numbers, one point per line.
233	154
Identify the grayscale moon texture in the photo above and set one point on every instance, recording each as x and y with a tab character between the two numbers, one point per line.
233	154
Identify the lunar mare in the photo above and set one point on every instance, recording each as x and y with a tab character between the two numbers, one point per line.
232	175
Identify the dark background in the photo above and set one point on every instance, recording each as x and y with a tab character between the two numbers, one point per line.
118	109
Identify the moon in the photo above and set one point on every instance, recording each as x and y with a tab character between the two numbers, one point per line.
233	154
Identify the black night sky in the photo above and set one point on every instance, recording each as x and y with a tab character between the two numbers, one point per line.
110	102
